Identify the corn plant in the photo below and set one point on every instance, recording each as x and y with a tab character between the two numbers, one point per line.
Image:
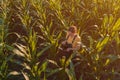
45	27
63	70
39	25
5	48
32	67
97	62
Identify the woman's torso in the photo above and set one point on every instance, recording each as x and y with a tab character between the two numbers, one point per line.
70	41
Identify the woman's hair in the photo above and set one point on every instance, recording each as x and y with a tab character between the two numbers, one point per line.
73	29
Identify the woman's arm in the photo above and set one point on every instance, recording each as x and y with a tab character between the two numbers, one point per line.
77	43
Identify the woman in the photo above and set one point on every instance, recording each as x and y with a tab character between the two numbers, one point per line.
72	42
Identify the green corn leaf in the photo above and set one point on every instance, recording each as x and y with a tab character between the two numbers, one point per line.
43	50
116	26
101	44
107	62
52	72
13	73
25	76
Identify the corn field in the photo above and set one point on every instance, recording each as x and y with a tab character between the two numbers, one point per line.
31	32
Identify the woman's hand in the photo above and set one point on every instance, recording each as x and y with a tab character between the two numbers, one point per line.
63	42
69	49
